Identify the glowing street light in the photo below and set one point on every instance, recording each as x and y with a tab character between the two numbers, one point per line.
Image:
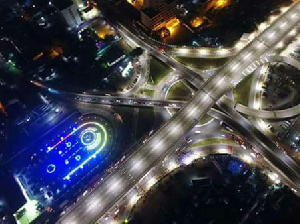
175	129
203	51
223	52
134	199
157	145
136	164
151	182
247	158
192	112
183	51
234	67
172	165
222	151
115	184
274	177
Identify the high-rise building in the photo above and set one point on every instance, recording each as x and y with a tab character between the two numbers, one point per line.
157	13
69	12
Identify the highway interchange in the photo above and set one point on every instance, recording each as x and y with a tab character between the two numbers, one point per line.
121	100
164	141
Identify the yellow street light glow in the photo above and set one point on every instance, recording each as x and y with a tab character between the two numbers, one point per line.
222	51
280	45
293	32
239	46
221	4
203	51
284	9
272	19
172	24
197	22
262	26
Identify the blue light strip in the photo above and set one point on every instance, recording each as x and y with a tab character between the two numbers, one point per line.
67	177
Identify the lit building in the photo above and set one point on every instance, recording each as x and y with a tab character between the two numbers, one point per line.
80	3
69	12
157	13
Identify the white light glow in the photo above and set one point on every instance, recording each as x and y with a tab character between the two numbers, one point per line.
283	24
187	160
192	112
274	177
247	158
151	182
294	16
172	165
175	129
293	32
115	185
203	51
239	45
272	19
258	45
262	26
257	104
134	199
223	51
259	86
234	67
183	51
271	35
223	150
247	56
280	45
158	145
93	204
220	81
137	164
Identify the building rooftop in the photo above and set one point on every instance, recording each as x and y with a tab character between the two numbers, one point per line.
150	12
170	1
63	4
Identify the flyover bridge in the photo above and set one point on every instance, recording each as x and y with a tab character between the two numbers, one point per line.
162	143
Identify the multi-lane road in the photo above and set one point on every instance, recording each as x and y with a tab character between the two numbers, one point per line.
163	141
146	102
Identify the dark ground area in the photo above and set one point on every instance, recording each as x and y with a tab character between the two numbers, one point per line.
199	193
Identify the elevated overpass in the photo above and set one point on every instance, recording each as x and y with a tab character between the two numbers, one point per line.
163	141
